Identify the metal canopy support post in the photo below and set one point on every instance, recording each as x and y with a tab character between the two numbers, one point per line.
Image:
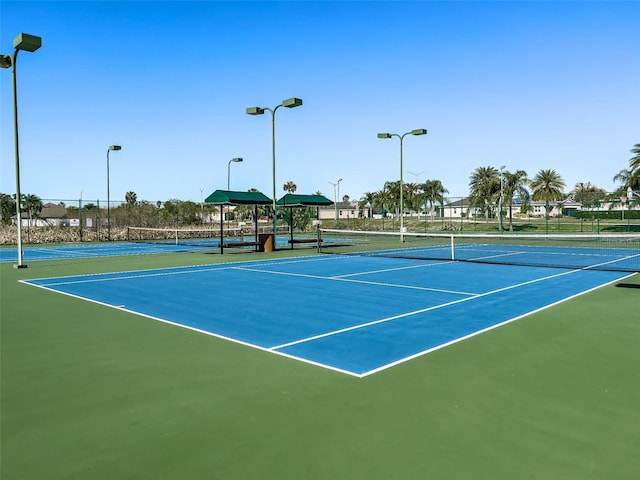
291	226
255	226
221	230
318	227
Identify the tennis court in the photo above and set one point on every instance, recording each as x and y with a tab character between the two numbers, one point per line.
353	314
34	253
94	250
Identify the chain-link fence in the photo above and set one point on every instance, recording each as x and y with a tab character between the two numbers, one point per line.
60	220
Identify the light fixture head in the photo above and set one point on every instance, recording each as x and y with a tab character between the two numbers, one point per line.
237	159
255	111
26	42
6	61
115	147
419	131
384	135
292	102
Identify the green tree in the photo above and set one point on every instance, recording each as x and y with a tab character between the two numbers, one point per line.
33	205
370	199
484	186
547	185
634	162
392	195
290	187
433	191
8	207
587	194
515	185
629	177
411	196
131	198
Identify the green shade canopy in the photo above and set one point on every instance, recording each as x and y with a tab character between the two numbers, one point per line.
227	197
292	200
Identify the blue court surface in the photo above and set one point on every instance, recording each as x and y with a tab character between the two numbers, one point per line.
356	315
92	250
33	253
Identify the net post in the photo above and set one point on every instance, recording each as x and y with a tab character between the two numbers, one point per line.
453	255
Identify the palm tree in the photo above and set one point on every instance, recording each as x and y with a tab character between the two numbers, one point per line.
634	162
32	204
368	198
392	194
587	194
411	196
131	198
547	185
628	178
515	184
484	184
8	207
433	191
290	187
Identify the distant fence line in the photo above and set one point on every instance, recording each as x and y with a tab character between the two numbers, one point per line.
85	220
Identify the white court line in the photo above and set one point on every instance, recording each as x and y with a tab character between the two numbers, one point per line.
129	277
314	258
158	272
350	280
211	334
484	330
384	270
415	312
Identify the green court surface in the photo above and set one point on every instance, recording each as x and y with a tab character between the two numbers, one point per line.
90	392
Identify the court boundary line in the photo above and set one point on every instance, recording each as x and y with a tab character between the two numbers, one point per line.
195	329
351	280
221	264
301	259
423	310
487	329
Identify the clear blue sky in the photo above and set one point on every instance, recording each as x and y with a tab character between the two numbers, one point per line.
529	85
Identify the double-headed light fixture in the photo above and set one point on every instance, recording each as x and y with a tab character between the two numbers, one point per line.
289	103
28	43
419	131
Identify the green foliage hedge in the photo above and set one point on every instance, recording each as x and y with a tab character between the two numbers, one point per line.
608	214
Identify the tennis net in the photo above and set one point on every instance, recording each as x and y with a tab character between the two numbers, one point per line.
174	236
618	252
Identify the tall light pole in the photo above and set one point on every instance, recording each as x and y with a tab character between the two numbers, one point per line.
28	43
502	167
418	131
335	198
233	160
112	147
289	103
